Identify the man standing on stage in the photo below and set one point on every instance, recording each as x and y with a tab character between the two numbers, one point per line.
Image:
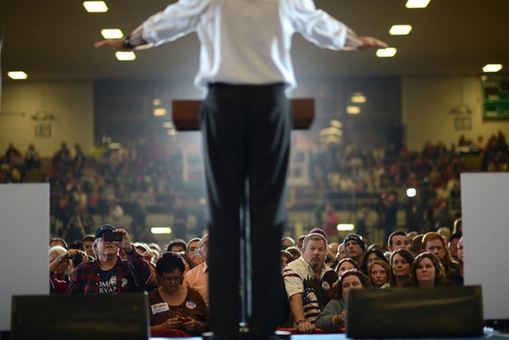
245	64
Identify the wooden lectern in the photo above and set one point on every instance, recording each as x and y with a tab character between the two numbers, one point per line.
186	113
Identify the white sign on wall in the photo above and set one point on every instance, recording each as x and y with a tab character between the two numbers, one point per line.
485	213
24	236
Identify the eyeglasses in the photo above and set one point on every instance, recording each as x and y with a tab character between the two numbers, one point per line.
172	279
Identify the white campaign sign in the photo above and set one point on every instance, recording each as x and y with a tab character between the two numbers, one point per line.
485	212
24	236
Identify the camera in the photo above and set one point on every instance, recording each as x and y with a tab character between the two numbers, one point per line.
76	259
112	236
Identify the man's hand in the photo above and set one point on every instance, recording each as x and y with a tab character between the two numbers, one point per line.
370	42
72	252
305	327
115	43
126	241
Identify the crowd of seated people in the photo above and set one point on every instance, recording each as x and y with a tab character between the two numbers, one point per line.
105	182
114	183
318	275
176	278
348	167
383	172
317	304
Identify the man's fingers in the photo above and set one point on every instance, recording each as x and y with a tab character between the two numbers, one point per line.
115	43
100	43
370	42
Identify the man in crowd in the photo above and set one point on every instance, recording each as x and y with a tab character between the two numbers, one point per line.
177	246
306	282
354	247
397	240
193	251
198	277
88	241
108	273
453	245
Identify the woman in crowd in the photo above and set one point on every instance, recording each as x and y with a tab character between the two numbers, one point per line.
401	262
380	274
373	253
346	264
434	243
174	306
333	316
427	271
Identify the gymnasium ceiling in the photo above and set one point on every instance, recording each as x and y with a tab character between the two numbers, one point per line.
53	39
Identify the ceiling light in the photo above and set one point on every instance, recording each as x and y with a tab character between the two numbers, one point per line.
492	68
159	111
411	192
160	230
168	125
95	6
17	75
156	102
353	110
172	132
112	33
358	98
345	227
417	3
115	146
400	29
386	52
125	55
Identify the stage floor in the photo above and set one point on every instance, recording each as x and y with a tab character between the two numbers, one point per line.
488	334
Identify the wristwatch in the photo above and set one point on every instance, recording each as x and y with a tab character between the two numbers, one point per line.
126	44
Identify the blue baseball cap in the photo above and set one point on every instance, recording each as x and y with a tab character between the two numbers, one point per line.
102	229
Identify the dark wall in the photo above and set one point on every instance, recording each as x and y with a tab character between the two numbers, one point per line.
123	109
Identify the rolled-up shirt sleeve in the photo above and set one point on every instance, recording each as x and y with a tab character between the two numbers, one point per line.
320	28
293	282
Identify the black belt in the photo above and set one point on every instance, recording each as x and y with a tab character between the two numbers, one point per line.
268	85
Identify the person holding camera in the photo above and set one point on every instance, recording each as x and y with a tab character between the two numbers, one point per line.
62	263
109	273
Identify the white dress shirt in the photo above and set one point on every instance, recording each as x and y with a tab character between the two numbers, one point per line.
246	41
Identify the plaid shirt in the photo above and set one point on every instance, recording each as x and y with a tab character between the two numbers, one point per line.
135	270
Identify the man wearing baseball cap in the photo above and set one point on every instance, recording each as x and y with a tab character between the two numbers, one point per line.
108	273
